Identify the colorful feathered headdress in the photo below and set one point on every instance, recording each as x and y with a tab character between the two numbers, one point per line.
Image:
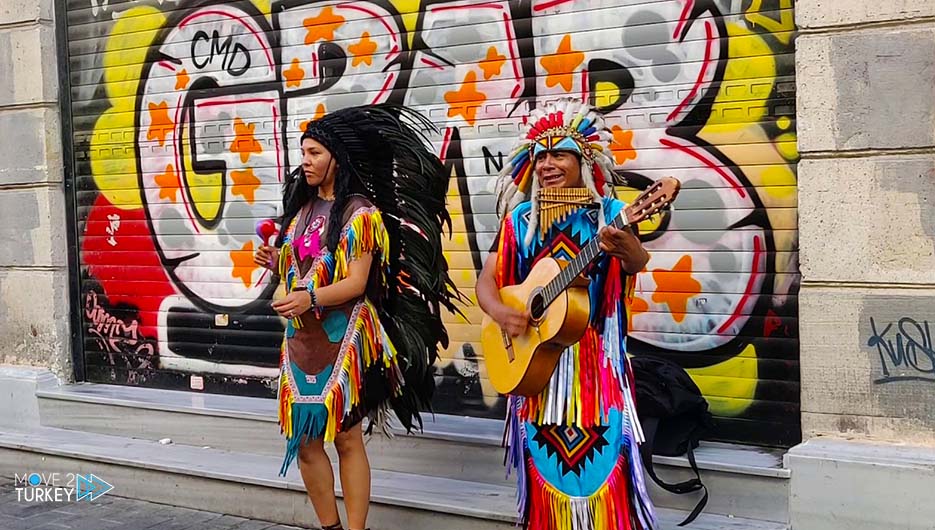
564	125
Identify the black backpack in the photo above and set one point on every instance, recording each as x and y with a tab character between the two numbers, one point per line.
674	415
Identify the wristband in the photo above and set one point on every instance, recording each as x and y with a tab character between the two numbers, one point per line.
311	291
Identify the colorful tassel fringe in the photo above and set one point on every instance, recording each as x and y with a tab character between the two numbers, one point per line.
365	345
609	508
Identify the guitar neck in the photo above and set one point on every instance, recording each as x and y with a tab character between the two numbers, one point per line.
585	257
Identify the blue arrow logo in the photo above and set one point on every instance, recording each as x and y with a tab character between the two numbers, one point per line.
90	487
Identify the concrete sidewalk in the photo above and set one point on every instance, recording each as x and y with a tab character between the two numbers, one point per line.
111	512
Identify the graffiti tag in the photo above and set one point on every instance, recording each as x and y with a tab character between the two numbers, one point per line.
98	6
235	56
906	352
112	226
120	340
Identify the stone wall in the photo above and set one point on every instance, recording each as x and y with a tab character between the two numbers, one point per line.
34	305
865	74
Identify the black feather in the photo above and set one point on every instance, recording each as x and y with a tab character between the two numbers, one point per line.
382	153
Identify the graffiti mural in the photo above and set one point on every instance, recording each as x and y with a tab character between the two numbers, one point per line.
187	116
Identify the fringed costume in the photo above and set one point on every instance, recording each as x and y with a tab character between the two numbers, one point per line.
344	363
575	446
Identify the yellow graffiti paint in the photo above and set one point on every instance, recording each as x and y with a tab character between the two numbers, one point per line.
782	29
205	188
409	9
114	164
778	181
606	94
748	82
788	148
464	277
730	386
265	7
748	79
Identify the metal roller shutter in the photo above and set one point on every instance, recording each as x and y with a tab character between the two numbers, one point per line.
186	116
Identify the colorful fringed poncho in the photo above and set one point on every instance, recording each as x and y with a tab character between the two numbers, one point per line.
330	355
575	446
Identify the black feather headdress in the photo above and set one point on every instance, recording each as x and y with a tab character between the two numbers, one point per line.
381	152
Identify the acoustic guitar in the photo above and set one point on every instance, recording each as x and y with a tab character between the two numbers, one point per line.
559	309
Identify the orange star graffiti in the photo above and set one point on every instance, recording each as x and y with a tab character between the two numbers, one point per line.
181	79
363	50
674	287
294	74
560	66
493	64
160	123
637	306
168	183
323	26
243	264
245	184
319	112
244	142
465	100
622	146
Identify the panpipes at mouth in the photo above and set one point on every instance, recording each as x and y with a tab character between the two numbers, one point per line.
556	204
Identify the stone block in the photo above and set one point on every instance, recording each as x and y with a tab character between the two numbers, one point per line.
28	62
35	320
867	219
867	362
19	407
815	14
18	11
866	89
866	428
847	485
34	230
34	153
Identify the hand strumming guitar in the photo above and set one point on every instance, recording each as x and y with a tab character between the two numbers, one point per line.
510	320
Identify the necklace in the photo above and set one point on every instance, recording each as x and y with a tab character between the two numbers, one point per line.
309	246
308	225
329	198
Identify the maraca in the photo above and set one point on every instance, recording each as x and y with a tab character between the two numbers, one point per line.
265	229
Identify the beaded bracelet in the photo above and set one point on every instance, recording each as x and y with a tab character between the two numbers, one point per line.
311	291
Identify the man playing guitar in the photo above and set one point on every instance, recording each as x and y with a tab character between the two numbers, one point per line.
574	445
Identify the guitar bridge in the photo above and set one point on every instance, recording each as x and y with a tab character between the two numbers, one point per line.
508	344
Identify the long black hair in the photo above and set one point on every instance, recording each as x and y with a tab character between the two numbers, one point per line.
298	192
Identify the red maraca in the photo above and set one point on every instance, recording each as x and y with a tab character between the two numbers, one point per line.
265	229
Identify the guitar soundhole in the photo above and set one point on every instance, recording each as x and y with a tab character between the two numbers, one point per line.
537	305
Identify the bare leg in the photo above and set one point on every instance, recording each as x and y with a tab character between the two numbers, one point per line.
355	476
319	481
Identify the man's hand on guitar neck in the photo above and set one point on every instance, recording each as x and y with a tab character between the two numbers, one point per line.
626	246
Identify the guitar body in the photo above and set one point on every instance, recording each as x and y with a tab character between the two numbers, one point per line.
523	365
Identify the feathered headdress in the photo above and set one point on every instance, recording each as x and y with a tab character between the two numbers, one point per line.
384	147
565	125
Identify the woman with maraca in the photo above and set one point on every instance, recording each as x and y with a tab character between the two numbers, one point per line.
360	257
